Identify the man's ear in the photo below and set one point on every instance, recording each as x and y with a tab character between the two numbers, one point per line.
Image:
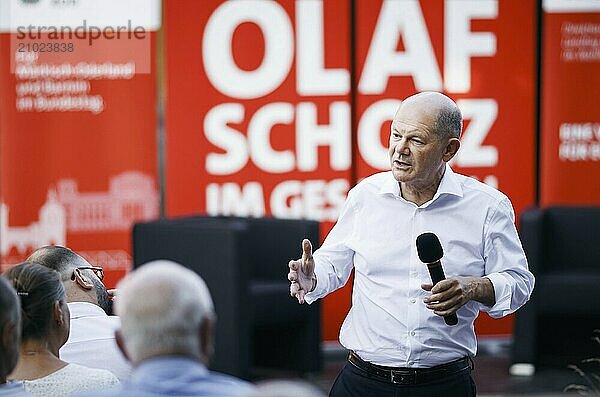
206	340
450	150
83	281
121	344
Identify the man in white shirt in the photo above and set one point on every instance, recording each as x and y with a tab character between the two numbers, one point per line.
91	340
395	331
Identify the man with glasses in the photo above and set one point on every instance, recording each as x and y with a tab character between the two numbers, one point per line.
92	339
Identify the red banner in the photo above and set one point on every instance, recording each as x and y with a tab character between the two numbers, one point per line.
258	113
570	128
77	128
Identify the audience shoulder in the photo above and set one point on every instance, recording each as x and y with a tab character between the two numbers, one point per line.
287	388
228	385
96	375
228	380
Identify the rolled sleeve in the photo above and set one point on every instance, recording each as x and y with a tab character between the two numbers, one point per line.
334	260
505	263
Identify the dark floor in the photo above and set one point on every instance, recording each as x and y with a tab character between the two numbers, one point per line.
491	373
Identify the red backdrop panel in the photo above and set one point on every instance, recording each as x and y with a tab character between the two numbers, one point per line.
570	131
75	176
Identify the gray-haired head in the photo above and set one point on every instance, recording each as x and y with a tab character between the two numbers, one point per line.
65	261
165	309
448	118
10	328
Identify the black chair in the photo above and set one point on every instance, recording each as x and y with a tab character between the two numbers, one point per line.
244	263
562	245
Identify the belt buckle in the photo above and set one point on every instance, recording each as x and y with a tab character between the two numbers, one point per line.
403	377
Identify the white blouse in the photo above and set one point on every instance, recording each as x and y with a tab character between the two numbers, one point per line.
70	379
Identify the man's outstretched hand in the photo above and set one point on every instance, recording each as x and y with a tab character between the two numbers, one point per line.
302	273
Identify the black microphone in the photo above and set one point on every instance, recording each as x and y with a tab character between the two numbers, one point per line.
430	252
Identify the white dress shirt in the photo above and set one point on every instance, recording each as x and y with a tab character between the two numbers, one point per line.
388	323
92	342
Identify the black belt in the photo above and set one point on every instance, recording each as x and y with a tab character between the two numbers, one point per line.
409	376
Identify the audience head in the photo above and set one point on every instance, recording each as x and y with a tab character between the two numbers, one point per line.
287	388
165	309
82	283
10	329
44	312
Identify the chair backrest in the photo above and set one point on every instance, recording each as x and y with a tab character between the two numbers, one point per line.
234	255
571	239
271	243
274	242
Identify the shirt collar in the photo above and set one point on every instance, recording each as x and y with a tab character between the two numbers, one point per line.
448	185
167	365
390	185
85	309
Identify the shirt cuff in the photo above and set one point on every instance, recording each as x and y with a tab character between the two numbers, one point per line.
502	293
321	287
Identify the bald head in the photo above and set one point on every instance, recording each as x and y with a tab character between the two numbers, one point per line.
164	308
10	328
81	285
61	259
441	112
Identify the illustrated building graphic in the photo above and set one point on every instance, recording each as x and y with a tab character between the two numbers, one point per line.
49	229
131	197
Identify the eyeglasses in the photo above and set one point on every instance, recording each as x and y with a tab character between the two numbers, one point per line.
97	271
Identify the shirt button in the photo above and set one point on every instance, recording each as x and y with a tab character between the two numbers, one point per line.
412	333
411	363
413	300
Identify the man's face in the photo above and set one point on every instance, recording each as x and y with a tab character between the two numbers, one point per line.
101	293
415	150
99	288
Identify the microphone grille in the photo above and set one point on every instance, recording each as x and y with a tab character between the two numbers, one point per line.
429	248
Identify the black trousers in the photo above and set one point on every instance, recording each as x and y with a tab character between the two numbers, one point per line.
354	382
